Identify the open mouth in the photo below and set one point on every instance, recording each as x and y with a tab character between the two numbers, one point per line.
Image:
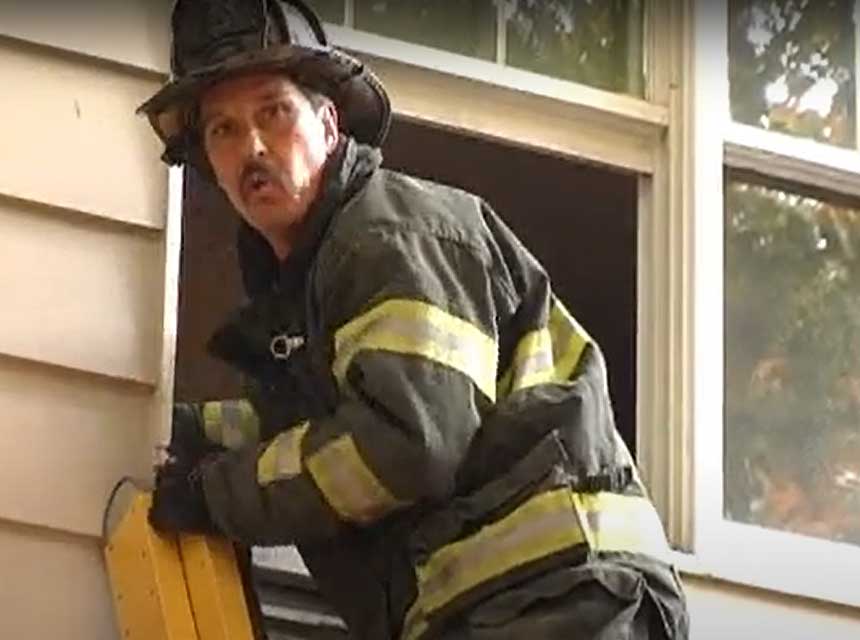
258	182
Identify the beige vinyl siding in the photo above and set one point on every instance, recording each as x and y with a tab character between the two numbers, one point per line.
83	337
66	439
131	32
53	586
81	293
70	137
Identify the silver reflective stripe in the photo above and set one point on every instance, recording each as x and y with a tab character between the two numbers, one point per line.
547	523
282	458
569	340
543	525
231	423
546	355
533	360
411	327
507	550
348	484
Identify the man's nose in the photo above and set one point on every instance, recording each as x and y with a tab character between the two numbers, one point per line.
256	144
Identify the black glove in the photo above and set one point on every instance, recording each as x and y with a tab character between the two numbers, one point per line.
178	502
188	441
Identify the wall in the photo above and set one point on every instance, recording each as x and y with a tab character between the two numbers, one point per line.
82	292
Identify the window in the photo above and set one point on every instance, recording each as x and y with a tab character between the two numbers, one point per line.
467	27
777	426
596	43
793	67
792	362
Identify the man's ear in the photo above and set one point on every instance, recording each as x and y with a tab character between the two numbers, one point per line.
331	122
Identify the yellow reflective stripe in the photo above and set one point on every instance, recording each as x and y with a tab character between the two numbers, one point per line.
212	421
541	526
348	484
545	524
546	355
414	624
231	423
420	329
533	360
282	458
624	523
568	341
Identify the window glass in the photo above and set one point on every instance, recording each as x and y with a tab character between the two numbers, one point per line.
793	67
792	347
595	42
329	10
467	27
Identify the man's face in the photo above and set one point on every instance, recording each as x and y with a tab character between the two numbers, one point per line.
267	146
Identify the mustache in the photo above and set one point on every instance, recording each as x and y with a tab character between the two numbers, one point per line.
256	168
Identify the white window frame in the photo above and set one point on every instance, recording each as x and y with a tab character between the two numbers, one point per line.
769	559
162	421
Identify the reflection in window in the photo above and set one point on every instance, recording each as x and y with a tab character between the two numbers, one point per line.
595	42
328	10
792	323
467	27
793	67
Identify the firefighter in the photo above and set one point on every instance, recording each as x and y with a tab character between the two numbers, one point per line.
424	419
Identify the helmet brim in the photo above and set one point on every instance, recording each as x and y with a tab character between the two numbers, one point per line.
362	102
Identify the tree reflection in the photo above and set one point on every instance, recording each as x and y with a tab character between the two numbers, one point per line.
466	26
792	362
792	67
595	42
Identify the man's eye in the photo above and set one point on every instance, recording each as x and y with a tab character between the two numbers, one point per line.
219	130
273	111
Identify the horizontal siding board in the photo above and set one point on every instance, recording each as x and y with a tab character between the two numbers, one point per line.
78	293
53	586
68	438
132	32
76	142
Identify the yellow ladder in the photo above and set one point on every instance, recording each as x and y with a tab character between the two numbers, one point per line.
185	587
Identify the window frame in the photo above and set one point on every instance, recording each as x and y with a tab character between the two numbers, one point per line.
619	130
774	560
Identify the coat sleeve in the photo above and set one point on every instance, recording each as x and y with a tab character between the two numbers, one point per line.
231	423
415	357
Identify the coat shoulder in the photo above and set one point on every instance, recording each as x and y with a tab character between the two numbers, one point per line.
395	203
